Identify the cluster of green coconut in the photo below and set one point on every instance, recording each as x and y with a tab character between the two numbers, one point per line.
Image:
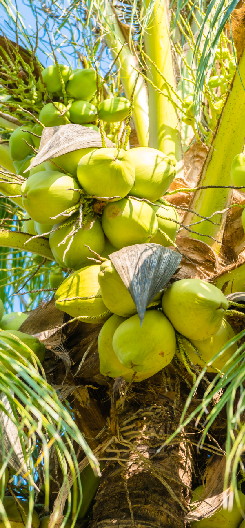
191	308
15	344
80	89
121	196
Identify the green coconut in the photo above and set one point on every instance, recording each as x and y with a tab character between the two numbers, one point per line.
28	225
51	77
22	165
238	170
82	112
50	115
13	320
1	310
38	130
114	109
41	229
56	278
225	518
90	234
165	215
108	249
19	150
153	173
106	172
208	348
69	161
47	194
140	348
79	295
17	515
38	168
128	221
7	339
82	84
94	127
195	308
114	292
109	362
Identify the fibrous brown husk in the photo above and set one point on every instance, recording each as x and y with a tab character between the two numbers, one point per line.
204	261
62	139
13	49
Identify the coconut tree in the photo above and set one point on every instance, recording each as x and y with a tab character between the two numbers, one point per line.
181	69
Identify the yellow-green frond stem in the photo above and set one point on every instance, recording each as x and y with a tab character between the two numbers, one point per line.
163	120
14	239
128	64
227	143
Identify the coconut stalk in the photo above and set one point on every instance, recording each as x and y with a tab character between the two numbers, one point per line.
128	64
163	119
17	240
227	143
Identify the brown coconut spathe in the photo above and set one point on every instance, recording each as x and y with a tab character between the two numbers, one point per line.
106	173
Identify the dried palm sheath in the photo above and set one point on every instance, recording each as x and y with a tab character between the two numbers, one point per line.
62	139
145	269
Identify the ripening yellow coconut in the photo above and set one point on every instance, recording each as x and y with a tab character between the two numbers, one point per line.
141	348
114	292
79	295
128	221
194	307
221	518
17	515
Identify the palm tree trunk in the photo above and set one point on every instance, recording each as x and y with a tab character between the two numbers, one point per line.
139	484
